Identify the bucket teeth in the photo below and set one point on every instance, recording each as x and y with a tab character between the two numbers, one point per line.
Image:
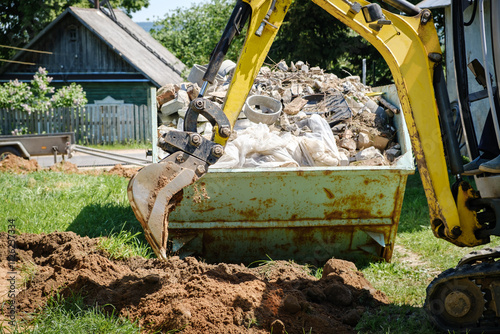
155	191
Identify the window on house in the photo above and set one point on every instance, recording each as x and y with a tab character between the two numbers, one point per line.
72	33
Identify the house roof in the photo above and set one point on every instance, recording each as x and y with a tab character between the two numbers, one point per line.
434	3
129	41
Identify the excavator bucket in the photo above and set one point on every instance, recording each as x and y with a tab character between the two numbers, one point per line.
155	191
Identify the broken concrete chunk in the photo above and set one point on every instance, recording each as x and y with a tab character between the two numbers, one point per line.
343	159
193	91
293	68
218	94
165	94
392	154
295	106
316	70
371	105
348	134
309	90
305	69
171	107
318	85
380	142
168	120
276	95
299	64
355	106
363	141
283	66
296	89
183	97
349	144
265	70
287	96
182	114
368	153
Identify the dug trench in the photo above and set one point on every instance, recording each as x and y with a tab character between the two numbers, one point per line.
190	295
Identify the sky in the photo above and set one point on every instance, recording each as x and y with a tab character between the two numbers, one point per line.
158	9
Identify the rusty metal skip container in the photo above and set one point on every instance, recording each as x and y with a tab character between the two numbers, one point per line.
308	214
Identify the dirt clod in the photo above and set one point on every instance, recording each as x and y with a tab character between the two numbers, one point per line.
119	170
190	295
64	166
291	304
15	164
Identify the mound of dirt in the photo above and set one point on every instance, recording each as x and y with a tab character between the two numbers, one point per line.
122	171
191	295
18	165
64	166
13	163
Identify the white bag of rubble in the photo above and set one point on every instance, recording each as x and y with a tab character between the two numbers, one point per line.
320	144
257	147
369	153
230	159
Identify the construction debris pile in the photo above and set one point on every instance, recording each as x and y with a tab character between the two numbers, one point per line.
298	116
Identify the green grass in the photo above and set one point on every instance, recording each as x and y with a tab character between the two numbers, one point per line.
403	282
93	206
72	316
124	244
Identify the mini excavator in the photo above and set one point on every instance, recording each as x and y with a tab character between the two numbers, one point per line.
462	299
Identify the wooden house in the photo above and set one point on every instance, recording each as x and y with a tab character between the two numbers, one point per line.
104	51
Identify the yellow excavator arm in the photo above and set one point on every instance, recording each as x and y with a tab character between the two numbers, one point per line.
410	46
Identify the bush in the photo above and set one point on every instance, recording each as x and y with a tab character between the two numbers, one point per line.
33	97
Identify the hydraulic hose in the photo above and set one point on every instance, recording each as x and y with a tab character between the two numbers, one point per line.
404	6
233	28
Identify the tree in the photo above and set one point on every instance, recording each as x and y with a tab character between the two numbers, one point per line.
21	20
191	34
310	34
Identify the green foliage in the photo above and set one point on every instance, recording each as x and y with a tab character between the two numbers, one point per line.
24	19
311	34
17	95
69	96
192	33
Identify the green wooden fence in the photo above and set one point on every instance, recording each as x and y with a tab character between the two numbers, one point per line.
92	124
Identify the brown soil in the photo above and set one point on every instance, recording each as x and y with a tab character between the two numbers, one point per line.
123	171
189	294
15	164
18	165
64	166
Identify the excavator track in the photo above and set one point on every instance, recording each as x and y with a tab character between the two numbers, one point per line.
466	299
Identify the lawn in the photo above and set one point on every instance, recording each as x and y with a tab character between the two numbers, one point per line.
94	206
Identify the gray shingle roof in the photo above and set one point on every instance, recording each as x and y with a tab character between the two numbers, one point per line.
144	53
128	40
